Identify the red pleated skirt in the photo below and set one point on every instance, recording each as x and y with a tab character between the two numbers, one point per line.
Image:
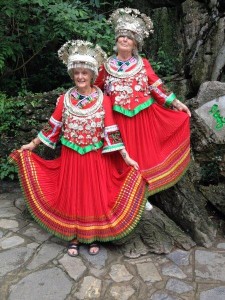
81	196
159	140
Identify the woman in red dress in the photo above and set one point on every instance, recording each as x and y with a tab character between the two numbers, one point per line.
80	196
154	125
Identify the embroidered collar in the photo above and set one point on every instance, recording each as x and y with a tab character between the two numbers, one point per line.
122	66
79	111
120	73
83	100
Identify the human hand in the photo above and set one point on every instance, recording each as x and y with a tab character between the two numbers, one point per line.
178	105
29	146
33	144
129	161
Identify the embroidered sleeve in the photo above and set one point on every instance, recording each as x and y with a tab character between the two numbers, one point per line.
156	88
112	136
49	135
112	139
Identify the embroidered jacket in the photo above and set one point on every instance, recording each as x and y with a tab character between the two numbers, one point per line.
132	87
83	129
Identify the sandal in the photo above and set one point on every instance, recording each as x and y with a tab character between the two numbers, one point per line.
91	246
73	246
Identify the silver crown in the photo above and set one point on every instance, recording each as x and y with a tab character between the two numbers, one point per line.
81	54
131	22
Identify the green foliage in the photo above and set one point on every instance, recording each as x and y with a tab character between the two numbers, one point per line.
10	113
100	33
20	123
164	64
12	119
7	170
31	32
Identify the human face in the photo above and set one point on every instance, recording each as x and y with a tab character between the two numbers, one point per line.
82	78
125	44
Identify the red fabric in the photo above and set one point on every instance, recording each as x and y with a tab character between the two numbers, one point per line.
151	137
100	80
71	183
153	134
81	196
109	116
156	137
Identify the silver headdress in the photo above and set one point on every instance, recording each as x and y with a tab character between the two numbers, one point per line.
132	23
81	54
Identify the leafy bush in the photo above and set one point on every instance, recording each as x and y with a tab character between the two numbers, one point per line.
12	119
163	64
31	32
7	170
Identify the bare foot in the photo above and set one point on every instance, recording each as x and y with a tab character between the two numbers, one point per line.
73	248
93	249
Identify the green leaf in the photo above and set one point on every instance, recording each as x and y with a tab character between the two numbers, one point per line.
97	3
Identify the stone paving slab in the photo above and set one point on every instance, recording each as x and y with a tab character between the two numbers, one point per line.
34	265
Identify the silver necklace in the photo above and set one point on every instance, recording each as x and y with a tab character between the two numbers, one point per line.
79	112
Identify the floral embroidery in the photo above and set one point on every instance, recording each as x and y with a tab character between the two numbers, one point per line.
122	66
83	100
47	128
115	137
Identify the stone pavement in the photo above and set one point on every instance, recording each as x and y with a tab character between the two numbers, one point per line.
34	265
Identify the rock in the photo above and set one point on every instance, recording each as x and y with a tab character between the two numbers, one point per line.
119	273
90	289
148	272
180	204
158	233
47	284
208	91
217	293
215	194
210	265
208	141
178	286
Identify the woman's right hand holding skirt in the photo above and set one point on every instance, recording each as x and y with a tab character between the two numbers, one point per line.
32	145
